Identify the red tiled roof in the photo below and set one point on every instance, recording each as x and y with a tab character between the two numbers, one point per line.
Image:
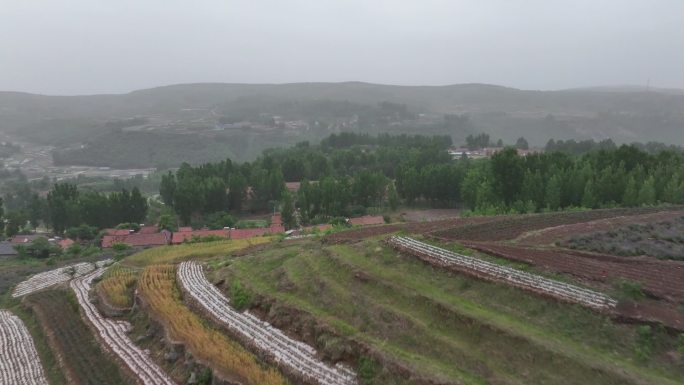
148	230
117	232
367	220
109	240
65	243
293	186
181	236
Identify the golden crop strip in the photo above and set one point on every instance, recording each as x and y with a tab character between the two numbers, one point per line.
172	254
116	286
158	287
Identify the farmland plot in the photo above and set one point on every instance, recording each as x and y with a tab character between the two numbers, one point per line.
19	361
494	272
293	355
114	335
80	355
54	277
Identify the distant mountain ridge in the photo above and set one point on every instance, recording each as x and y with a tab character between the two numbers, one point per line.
623	113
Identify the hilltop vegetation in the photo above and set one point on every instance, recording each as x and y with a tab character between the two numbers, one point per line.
241	120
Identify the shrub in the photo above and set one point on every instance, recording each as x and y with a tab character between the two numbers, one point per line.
39	248
120	247
82	232
630	290
680	343
644	343
241	296
366	370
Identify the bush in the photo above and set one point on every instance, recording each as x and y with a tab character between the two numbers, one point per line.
680	343
208	238
366	370
39	248
240	296
630	290
644	343
120	247
82	232
128	226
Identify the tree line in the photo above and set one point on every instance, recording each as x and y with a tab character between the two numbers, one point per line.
68	208
348	174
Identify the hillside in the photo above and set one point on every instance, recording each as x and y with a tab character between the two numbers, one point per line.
240	120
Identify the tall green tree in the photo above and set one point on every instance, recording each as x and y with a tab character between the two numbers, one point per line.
647	192
288	211
589	196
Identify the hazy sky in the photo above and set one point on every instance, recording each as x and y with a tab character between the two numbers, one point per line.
105	46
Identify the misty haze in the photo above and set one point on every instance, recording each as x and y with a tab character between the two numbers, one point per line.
341	192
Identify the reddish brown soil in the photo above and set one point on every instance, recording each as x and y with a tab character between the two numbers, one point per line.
662	279
553	234
510	227
654	312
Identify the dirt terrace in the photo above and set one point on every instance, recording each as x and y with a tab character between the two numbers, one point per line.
553	234
660	279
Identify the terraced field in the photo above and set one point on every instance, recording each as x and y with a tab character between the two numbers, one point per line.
510	227
54	277
113	334
80	355
234	363
406	322
19	361
298	358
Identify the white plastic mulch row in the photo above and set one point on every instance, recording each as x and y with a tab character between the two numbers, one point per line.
506	274
295	355
19	361
46	279
114	335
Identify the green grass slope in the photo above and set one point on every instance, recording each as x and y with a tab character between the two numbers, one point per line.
440	326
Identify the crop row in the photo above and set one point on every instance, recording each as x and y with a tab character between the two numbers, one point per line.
79	354
49	278
509	227
293	355
663	279
494	272
114	335
157	287
19	361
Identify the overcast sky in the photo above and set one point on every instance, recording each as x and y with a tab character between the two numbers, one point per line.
113	46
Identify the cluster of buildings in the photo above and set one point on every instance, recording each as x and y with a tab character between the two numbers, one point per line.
486	152
7	247
151	236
